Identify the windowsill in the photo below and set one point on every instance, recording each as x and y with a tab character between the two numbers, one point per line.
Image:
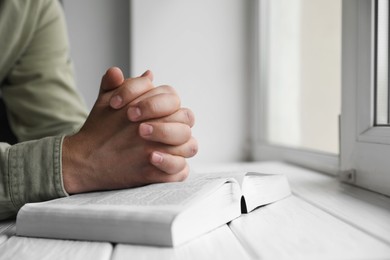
366	212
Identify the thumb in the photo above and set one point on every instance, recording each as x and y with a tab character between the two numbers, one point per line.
112	79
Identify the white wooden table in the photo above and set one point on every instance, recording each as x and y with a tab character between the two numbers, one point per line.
323	219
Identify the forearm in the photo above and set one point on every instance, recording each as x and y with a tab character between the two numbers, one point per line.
29	172
36	74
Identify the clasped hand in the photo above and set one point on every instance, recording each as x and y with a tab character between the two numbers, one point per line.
136	134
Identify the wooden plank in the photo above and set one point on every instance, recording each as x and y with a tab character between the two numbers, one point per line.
295	229
363	209
3	239
45	249
218	244
7	228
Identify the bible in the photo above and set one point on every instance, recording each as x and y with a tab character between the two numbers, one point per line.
163	214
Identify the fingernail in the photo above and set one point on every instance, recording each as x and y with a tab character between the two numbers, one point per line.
116	101
145	129
157	158
134	113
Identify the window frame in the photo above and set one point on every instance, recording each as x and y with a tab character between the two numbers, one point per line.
363	147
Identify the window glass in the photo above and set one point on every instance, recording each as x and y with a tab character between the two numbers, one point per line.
302	53
382	63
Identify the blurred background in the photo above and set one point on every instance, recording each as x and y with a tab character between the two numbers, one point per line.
217	54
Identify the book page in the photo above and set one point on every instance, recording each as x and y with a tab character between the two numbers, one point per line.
161	194
238	176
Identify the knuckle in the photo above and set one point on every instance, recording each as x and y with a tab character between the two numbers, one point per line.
150	106
135	86
165	131
179	176
130	92
186	132
189	116
169	89
177	101
126	91
171	101
177	167
146	81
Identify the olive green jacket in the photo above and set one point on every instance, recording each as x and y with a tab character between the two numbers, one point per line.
37	86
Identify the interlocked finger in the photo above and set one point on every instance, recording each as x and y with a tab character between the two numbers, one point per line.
166	133
156	106
183	115
170	164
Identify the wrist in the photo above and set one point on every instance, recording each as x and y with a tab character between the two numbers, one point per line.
73	166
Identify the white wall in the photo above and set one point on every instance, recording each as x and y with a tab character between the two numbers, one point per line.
199	47
99	38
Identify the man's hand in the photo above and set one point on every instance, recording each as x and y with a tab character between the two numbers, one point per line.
136	134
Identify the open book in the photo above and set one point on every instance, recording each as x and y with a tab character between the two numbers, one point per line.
164	214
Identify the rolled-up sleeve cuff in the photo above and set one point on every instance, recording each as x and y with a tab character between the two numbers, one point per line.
35	171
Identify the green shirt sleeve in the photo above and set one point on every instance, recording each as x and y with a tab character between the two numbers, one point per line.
43	105
38	88
30	172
